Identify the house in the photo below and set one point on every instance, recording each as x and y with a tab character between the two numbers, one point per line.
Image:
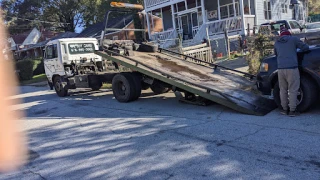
119	26
36	50
29	38
195	20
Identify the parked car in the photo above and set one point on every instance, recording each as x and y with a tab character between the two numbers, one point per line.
309	66
292	25
312	27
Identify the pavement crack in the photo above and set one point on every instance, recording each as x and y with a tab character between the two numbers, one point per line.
247	135
36	173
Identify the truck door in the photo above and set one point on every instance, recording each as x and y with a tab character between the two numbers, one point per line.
51	61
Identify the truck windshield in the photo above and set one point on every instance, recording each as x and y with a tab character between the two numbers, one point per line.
81	48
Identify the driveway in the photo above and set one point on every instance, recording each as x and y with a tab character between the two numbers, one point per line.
89	135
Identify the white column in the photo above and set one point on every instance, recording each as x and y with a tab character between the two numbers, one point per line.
152	20
204	17
255	10
173	18
234	8
242	17
219	13
249	4
148	24
162	20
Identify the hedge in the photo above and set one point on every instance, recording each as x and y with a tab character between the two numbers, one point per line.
25	68
29	68
38	67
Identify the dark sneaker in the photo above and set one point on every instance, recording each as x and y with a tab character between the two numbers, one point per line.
293	113
284	112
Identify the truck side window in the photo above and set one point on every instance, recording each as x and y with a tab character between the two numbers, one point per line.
49	52
64	49
55	50
52	51
294	25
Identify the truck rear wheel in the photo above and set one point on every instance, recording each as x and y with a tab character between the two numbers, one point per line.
137	79
159	88
125	87
60	86
307	95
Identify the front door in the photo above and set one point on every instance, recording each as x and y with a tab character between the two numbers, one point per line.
188	25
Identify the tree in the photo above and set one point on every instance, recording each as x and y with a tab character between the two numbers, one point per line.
66	13
22	15
314	7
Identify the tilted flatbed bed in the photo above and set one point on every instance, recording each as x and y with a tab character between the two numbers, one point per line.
220	85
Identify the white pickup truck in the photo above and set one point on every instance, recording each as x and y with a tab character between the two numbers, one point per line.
274	26
71	62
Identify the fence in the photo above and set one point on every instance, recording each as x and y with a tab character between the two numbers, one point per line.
314	18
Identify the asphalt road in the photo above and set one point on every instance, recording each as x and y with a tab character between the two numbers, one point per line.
91	136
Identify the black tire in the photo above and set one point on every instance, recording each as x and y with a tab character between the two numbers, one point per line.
95	83
137	79
307	94
123	87
158	88
145	86
96	88
60	86
50	85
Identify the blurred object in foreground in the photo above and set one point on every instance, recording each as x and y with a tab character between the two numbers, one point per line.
12	140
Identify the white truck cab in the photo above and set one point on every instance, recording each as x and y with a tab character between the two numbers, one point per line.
61	52
69	62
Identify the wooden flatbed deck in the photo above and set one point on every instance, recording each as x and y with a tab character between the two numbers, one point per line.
222	86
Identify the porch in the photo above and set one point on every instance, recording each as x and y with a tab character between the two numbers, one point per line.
195	20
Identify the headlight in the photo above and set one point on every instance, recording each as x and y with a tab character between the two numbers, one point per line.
264	67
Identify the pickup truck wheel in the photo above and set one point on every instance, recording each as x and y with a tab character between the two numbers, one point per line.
60	86
123	87
307	94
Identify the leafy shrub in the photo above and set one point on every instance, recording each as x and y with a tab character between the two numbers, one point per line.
259	47
26	69
38	67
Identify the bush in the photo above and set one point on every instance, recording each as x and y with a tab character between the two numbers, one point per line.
26	69
259	47
38	67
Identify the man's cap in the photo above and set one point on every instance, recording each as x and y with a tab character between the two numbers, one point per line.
284	31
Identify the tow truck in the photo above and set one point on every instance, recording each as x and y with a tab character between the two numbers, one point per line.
132	67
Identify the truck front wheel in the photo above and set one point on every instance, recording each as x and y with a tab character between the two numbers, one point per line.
60	86
307	94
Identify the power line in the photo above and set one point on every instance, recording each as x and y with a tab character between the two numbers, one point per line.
49	22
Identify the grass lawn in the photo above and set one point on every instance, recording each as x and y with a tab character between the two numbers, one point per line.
35	79
106	86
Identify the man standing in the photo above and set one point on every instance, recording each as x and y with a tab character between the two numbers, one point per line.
288	72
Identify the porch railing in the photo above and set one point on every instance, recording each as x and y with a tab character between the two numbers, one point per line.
151	3
218	27
161	35
171	41
215	28
201	51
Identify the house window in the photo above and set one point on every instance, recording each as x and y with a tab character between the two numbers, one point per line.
227	10
284	8
267	10
51	52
